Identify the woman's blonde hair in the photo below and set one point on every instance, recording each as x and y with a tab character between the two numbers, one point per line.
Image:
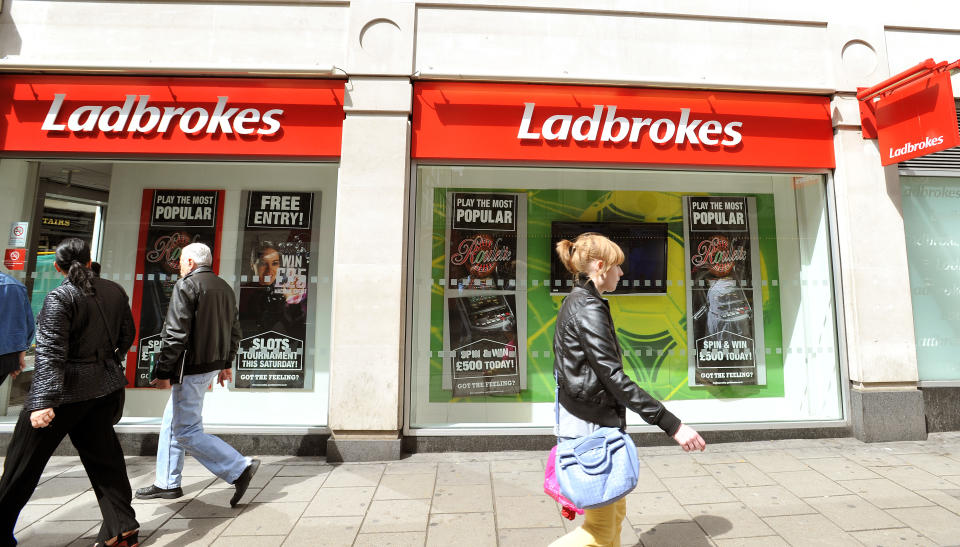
578	254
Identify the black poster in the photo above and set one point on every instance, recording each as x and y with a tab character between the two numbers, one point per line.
483	339
722	329
176	219
483	241
274	269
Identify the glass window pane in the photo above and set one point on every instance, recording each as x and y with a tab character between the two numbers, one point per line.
467	321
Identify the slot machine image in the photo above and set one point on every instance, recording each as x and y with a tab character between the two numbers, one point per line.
487	313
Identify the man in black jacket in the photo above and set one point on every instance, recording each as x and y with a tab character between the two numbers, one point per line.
199	343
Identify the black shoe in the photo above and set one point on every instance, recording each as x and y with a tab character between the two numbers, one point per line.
154	491
243	481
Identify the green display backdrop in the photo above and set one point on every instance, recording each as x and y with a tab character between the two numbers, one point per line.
651	328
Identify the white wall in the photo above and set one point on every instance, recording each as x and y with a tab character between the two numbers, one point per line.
174	34
223	406
15	189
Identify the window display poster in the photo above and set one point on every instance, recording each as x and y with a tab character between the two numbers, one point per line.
651	328
483	241
483	340
274	268
169	221
724	335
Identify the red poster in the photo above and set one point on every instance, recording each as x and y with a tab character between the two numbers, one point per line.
169	221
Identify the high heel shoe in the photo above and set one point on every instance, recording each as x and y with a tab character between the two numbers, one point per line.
130	539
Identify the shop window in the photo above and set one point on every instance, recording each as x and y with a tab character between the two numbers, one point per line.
271	229
931	225
726	310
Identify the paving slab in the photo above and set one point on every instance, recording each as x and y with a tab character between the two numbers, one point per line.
893	537
803	530
885	493
852	512
396	516
840	469
266	519
331	531
738	474
405	487
688	490
527	512
475	529
769	501
470	498
528	537
681	465
911	477
391	539
809	483
770	461
340	502
685	533
936	523
653	508
728	520
523	483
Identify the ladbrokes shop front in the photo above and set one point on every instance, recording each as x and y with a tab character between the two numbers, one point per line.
721	201
141	166
727	310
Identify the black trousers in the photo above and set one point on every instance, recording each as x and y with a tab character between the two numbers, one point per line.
90	427
9	362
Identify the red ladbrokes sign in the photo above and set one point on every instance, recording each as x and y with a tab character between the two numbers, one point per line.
552	123
118	115
917	119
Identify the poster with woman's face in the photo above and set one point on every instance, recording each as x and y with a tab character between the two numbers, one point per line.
274	271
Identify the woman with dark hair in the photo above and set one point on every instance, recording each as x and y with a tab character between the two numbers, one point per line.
84	328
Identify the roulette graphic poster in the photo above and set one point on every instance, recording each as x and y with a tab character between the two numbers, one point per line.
724	322
169	221
274	294
482	294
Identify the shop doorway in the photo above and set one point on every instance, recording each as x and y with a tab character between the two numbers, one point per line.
71	201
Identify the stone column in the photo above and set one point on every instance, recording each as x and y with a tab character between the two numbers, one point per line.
369	271
885	404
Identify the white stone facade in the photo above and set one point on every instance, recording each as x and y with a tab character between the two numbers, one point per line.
821	47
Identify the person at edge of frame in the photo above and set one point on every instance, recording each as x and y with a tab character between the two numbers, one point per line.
16	327
77	391
593	390
199	342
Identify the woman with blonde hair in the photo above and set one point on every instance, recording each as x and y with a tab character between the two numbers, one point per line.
593	390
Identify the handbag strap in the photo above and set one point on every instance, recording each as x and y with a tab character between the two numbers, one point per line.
103	317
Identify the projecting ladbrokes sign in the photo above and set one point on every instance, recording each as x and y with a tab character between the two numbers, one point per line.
136	115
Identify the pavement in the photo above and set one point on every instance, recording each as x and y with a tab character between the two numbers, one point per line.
790	492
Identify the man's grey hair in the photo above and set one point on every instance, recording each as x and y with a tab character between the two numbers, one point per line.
199	252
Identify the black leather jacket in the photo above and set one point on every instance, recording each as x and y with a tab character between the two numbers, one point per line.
202	330
589	366
74	359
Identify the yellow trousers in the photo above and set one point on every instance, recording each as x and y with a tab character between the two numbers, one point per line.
601	527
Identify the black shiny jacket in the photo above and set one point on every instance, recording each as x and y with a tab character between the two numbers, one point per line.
202	331
74	357
589	366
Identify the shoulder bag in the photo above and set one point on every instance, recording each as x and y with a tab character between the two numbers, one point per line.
597	469
115	354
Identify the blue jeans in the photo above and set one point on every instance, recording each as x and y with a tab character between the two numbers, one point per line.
182	430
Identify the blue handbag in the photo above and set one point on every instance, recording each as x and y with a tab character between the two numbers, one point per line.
597	469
